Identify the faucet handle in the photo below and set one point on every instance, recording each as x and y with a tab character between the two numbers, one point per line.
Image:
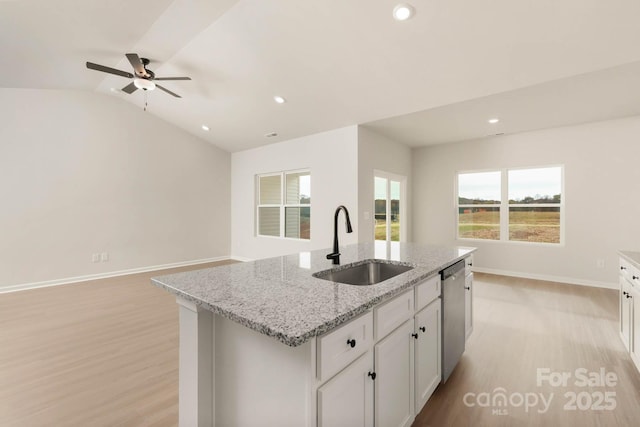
335	257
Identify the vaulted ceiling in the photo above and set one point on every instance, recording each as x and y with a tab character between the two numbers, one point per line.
432	79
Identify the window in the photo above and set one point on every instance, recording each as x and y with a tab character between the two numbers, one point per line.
389	207
479	196
523	205
284	205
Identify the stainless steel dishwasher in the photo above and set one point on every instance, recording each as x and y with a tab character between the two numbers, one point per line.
452	317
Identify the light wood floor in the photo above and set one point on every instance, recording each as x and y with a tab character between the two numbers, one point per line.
522	325
105	353
99	353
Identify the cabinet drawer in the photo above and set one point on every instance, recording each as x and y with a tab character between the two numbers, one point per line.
343	345
427	291
631	273
392	314
468	263
625	268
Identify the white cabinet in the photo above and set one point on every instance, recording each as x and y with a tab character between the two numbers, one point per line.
427	291
343	345
392	314
389	374
468	296
630	309
393	360
347	399
468	305
427	353
625	312
634	333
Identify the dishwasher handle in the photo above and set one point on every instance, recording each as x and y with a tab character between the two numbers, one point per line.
452	270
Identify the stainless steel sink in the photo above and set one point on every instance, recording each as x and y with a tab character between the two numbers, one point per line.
368	273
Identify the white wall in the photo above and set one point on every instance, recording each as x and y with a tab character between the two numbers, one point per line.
332	158
376	152
84	173
602	204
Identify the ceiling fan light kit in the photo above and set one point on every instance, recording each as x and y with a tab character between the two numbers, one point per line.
143	79
144	84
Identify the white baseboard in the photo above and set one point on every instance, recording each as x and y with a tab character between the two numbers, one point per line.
240	258
559	279
69	280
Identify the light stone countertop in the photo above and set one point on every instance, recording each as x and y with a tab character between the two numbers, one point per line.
280	298
632	257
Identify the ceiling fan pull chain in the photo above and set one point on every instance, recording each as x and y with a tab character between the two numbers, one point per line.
145	100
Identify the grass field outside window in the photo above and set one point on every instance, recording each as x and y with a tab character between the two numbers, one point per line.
523	205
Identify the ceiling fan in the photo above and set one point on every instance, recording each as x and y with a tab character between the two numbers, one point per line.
143	79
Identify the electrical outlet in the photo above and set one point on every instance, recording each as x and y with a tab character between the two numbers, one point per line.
95	258
600	263
104	256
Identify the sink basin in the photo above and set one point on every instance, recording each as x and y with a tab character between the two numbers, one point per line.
368	273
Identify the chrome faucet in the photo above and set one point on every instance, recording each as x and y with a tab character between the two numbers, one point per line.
335	256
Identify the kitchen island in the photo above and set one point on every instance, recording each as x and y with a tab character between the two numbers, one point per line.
257	338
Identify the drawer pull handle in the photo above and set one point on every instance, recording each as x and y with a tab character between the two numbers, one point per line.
470	264
415	336
468	288
628	295
351	342
623	268
423	329
624	293
372	375
636	277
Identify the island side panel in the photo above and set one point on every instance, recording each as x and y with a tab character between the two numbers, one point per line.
196	366
260	381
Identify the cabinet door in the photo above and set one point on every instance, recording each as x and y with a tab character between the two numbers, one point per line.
427	353
634	333
468	305
625	312
347	400
394	378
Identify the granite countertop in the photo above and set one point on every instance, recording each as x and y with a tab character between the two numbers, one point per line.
632	257
280	298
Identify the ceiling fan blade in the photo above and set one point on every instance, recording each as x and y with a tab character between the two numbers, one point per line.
130	88
136	63
109	70
168	91
172	78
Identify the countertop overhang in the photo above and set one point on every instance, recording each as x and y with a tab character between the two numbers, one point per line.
632	257
280	298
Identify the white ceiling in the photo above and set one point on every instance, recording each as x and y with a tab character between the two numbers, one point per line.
534	64
600	95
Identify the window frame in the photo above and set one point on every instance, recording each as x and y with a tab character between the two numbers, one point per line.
504	206
282	205
403	204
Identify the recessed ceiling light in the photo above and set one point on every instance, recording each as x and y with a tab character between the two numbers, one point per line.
205	127
279	99
493	121
271	134
403	11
